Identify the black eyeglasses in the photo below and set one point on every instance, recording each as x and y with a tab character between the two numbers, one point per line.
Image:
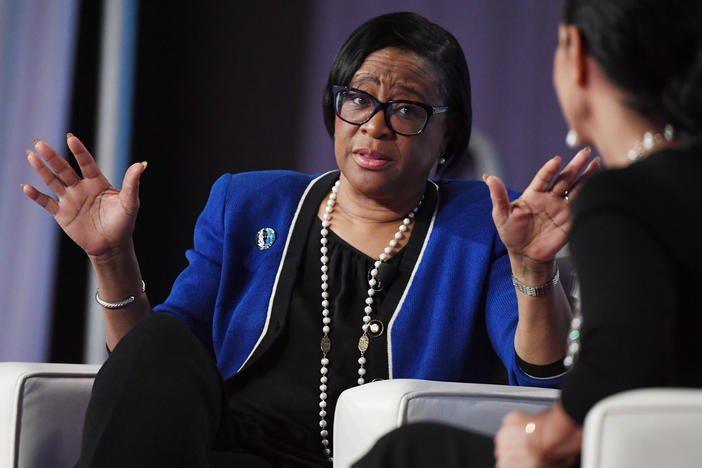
403	117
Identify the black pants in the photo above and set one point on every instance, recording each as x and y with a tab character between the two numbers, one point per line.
430	445
158	401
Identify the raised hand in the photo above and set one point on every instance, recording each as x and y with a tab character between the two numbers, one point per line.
97	216
535	226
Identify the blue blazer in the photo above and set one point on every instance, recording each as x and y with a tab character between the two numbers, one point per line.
458	306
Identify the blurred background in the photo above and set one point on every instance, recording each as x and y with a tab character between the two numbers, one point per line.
202	88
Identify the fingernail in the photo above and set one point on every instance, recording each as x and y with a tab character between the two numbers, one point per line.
144	163
27	152
22	186
557	157
68	135
588	149
485	177
35	141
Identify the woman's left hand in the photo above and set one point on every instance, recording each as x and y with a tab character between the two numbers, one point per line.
535	226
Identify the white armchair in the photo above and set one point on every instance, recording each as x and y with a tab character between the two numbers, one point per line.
365	413
42	407
41	413
645	428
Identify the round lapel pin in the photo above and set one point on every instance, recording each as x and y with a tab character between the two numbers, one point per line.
265	238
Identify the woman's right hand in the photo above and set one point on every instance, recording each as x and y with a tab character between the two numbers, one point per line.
97	216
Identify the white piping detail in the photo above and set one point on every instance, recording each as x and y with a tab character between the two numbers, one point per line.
280	269
411	279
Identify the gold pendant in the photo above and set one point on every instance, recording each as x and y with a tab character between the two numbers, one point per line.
363	343
325	344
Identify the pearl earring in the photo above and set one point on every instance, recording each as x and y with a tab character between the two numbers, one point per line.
442	161
572	138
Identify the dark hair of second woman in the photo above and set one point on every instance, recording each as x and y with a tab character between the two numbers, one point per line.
651	49
415	33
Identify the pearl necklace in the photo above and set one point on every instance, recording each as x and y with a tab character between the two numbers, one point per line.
650	140
363	341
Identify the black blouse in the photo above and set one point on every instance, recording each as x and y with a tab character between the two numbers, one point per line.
274	405
635	241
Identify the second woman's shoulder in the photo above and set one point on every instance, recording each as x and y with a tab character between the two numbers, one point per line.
663	179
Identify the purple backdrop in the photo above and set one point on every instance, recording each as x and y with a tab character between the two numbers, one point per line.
509	48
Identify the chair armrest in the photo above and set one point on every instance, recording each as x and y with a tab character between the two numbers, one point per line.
644	428
42	407
365	413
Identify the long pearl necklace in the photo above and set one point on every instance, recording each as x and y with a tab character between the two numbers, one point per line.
363	341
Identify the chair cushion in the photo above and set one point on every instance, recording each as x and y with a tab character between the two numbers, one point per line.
42	407
365	413
645	428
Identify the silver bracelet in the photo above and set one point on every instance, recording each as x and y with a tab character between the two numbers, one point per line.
118	304
538	290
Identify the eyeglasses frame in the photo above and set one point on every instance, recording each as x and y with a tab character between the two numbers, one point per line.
378	105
